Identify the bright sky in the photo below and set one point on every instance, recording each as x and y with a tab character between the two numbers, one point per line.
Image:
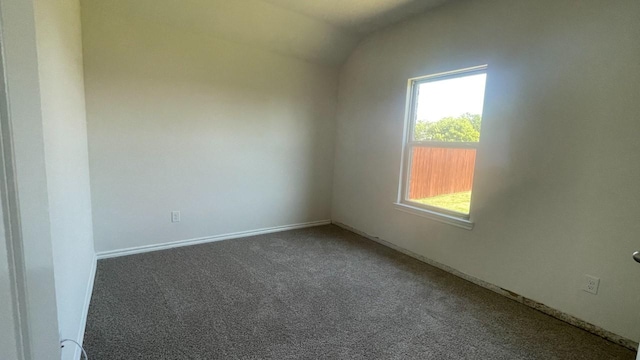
451	97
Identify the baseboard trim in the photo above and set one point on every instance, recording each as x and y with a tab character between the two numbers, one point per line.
207	239
85	309
570	319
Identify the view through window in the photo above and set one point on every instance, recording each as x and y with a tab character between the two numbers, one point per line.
446	118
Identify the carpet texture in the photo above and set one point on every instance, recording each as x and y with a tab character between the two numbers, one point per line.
317	293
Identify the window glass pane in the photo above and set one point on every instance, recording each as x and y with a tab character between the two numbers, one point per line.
442	177
450	109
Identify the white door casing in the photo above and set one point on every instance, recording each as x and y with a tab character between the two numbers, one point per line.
26	267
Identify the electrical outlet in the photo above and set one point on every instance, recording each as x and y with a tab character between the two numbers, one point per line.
591	284
175	216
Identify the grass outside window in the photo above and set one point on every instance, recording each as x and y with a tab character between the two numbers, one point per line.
458	202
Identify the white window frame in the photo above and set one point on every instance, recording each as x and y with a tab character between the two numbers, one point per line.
403	203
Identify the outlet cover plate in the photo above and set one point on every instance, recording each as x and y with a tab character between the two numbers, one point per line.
591	284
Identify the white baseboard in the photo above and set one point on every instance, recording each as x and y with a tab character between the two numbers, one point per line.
207	239
85	309
560	315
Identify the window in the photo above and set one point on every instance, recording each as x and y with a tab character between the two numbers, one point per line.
444	116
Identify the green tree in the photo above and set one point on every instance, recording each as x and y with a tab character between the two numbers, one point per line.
474	119
420	130
464	128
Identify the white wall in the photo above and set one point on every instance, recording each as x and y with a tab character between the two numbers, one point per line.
65	138
33	245
556	189
235	138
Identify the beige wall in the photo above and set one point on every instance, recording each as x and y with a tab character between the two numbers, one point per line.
235	138
556	189
59	43
255	23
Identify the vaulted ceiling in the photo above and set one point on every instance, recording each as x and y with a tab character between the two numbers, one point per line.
359	16
321	31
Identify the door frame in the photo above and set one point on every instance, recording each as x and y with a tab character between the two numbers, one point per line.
25	235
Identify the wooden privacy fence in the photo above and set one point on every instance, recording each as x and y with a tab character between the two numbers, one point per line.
438	171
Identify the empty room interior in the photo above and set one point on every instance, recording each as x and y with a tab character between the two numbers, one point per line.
319	179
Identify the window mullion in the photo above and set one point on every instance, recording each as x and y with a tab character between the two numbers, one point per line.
444	144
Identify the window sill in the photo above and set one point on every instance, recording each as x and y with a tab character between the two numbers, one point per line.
433	215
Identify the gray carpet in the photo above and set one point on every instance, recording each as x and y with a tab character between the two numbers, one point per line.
318	293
